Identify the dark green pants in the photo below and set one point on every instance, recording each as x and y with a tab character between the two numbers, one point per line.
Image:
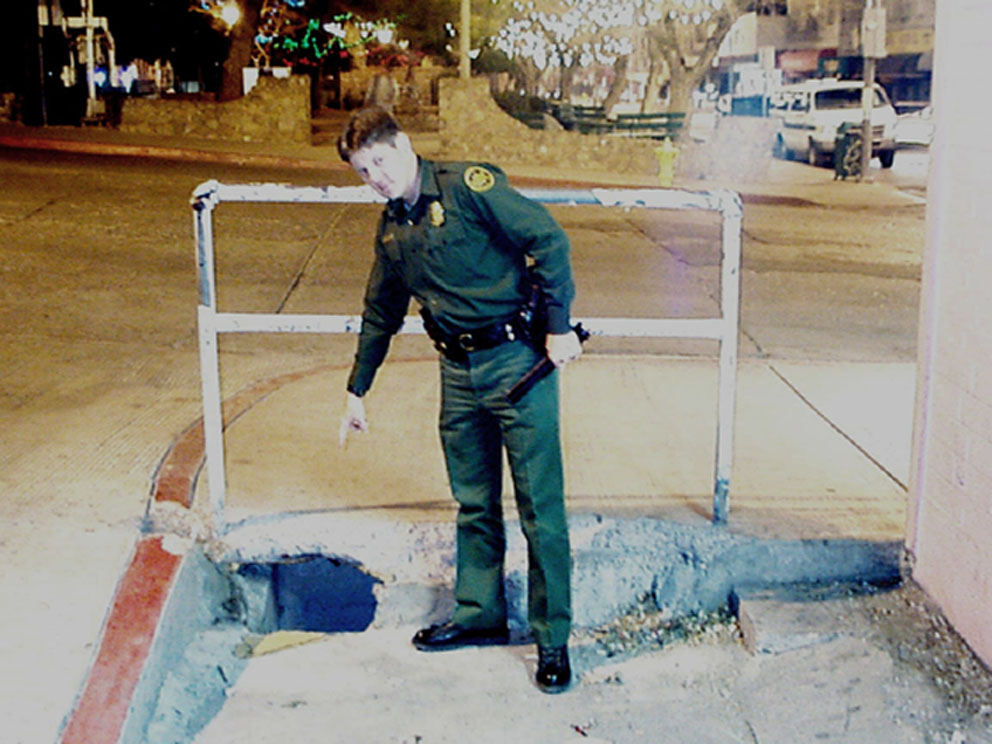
476	423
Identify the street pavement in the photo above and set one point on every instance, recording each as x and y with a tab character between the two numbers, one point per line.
822	453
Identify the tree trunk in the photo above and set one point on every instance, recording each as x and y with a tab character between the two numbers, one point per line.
679	43
497	83
657	74
618	85
239	53
567	80
316	74
680	94
526	75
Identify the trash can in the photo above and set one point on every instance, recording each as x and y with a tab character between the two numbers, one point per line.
667	155
847	151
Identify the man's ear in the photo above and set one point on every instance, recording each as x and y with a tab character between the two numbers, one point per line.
402	142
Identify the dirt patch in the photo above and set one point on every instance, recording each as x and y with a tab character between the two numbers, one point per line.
904	622
918	637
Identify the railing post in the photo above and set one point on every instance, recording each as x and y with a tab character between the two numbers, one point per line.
204	201
730	283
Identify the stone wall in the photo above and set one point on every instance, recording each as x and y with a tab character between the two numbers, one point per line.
276	109
413	88
474	127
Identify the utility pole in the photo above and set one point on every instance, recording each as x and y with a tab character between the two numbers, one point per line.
44	19
90	23
464	32
872	47
90	62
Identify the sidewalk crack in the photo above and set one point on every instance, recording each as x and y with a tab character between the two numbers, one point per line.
762	354
307	261
37	210
836	428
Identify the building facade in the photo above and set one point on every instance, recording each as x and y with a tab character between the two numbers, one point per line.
950	494
799	39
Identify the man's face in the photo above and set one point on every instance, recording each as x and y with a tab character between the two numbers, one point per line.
390	168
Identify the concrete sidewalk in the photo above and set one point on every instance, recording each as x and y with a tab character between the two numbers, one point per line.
819	467
822	454
822	449
815	471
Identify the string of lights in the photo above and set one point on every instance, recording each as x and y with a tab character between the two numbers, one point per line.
591	31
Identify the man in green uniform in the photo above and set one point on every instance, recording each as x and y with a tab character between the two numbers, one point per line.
458	239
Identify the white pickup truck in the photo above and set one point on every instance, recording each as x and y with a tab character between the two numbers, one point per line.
810	114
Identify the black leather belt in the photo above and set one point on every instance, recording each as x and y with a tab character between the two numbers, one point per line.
458	345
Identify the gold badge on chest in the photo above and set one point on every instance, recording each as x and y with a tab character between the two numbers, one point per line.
436	212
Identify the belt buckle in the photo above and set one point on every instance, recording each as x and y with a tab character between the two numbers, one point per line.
466	342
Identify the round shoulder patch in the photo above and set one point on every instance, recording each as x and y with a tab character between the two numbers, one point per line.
479	179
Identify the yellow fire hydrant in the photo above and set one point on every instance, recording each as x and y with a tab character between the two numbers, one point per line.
667	155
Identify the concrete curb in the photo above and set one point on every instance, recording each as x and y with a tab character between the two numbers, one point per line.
168	153
617	564
330	164
169	597
814	193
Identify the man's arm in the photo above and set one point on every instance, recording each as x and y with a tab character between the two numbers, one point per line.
528	226
386	303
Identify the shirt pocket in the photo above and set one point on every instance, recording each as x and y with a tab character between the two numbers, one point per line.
440	238
459	251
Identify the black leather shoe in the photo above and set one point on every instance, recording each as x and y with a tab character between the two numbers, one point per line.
448	636
554	674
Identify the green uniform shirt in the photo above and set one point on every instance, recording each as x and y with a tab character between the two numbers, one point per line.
461	250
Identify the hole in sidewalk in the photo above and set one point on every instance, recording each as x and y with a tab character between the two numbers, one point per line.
318	594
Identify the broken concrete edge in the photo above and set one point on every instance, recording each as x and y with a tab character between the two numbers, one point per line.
681	568
194	662
617	564
169	595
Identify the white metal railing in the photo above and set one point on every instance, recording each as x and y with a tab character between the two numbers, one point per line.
724	329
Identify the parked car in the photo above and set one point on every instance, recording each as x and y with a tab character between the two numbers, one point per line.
915	128
811	113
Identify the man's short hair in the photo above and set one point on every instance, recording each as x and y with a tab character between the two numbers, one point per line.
366	127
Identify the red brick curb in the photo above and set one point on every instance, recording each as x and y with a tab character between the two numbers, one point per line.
175	479
101	711
100	714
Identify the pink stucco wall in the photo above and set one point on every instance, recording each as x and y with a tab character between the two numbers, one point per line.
950	515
